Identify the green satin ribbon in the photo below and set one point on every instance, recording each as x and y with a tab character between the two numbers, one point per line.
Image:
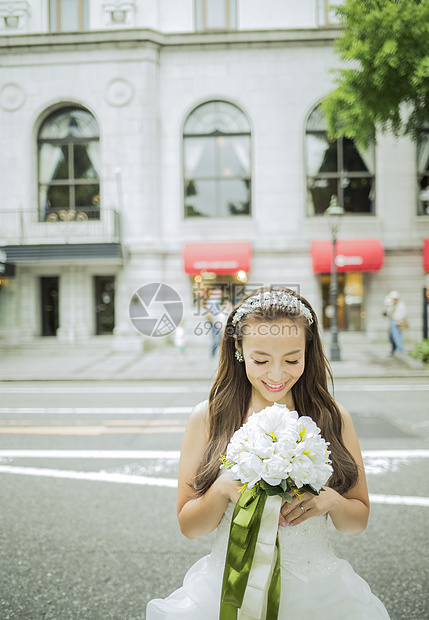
243	536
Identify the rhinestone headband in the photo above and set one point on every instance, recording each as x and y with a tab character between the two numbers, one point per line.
273	298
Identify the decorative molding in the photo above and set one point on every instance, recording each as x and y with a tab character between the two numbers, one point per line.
14	16
119	92
119	13
12	97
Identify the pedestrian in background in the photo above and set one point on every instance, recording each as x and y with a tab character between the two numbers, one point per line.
216	316
396	312
180	340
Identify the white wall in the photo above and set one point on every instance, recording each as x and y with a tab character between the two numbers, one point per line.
276	14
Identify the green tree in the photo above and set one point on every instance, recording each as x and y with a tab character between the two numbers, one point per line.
383	83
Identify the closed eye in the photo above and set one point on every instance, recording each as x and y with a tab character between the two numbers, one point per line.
287	362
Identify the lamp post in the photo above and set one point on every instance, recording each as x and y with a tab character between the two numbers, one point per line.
334	214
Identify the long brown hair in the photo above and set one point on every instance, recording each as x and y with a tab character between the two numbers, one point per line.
230	396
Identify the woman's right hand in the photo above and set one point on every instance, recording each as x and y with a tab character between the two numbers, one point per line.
228	487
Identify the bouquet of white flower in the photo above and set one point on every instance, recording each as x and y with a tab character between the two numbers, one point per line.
275	454
281	452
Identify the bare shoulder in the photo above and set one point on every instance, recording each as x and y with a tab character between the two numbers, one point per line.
349	433
200	414
198	421
345	414
201	410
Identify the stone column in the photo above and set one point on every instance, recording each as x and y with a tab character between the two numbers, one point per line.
28	312
67	308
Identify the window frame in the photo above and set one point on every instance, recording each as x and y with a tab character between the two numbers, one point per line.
215	178
71	182
83	16
200	13
339	175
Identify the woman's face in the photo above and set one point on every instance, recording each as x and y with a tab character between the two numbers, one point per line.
274	356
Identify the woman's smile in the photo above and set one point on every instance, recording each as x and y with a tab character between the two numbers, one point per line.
273	387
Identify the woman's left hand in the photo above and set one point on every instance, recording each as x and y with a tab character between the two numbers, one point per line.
307	506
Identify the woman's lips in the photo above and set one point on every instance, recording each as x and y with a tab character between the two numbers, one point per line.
272	387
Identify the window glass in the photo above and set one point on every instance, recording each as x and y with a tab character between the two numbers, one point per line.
200	157
234	158
322	155
69	15
58	197
85	160
234	198
201	198
86	195
217	161
340	168
69	122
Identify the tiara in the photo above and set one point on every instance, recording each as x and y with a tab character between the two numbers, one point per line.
273	298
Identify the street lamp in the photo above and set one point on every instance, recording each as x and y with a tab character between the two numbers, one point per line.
334	214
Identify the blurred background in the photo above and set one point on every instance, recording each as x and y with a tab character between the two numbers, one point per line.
182	141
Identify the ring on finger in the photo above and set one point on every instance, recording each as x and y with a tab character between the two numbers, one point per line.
302	508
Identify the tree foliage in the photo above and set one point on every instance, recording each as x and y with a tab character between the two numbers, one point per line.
383	84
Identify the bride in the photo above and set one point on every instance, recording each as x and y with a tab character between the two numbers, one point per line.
271	352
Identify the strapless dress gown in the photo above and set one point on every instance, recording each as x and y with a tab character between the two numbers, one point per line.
315	583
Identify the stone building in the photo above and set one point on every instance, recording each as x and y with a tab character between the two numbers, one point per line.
181	142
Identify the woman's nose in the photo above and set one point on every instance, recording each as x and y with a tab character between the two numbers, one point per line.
277	374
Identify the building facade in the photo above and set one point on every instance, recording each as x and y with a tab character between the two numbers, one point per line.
181	141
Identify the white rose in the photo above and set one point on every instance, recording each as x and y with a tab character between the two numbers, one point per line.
275	470
248	468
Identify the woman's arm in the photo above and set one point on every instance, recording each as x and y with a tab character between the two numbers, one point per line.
200	515
349	512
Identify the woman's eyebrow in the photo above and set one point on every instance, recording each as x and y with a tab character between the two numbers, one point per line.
285	354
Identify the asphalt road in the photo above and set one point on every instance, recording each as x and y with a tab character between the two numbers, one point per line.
87	483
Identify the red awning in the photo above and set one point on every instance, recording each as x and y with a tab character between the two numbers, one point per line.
219	257
426	255
351	255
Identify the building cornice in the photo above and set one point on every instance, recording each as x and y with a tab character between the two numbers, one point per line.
48	42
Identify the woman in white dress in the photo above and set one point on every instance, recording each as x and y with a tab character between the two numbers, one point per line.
271	352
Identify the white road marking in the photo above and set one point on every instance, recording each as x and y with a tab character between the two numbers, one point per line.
402	500
188	389
172	454
91	454
95	410
103	476
108	389
396	454
95	476
381	388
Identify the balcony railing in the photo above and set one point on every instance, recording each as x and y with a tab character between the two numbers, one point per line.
95	225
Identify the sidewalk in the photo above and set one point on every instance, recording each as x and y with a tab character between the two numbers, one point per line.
98	361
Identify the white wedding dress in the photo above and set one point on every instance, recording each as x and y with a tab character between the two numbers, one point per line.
315	584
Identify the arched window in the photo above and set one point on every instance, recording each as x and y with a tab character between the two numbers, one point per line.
423	170
217	162
69	166
338	168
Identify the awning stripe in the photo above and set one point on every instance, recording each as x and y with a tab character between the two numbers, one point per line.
351	255
220	258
